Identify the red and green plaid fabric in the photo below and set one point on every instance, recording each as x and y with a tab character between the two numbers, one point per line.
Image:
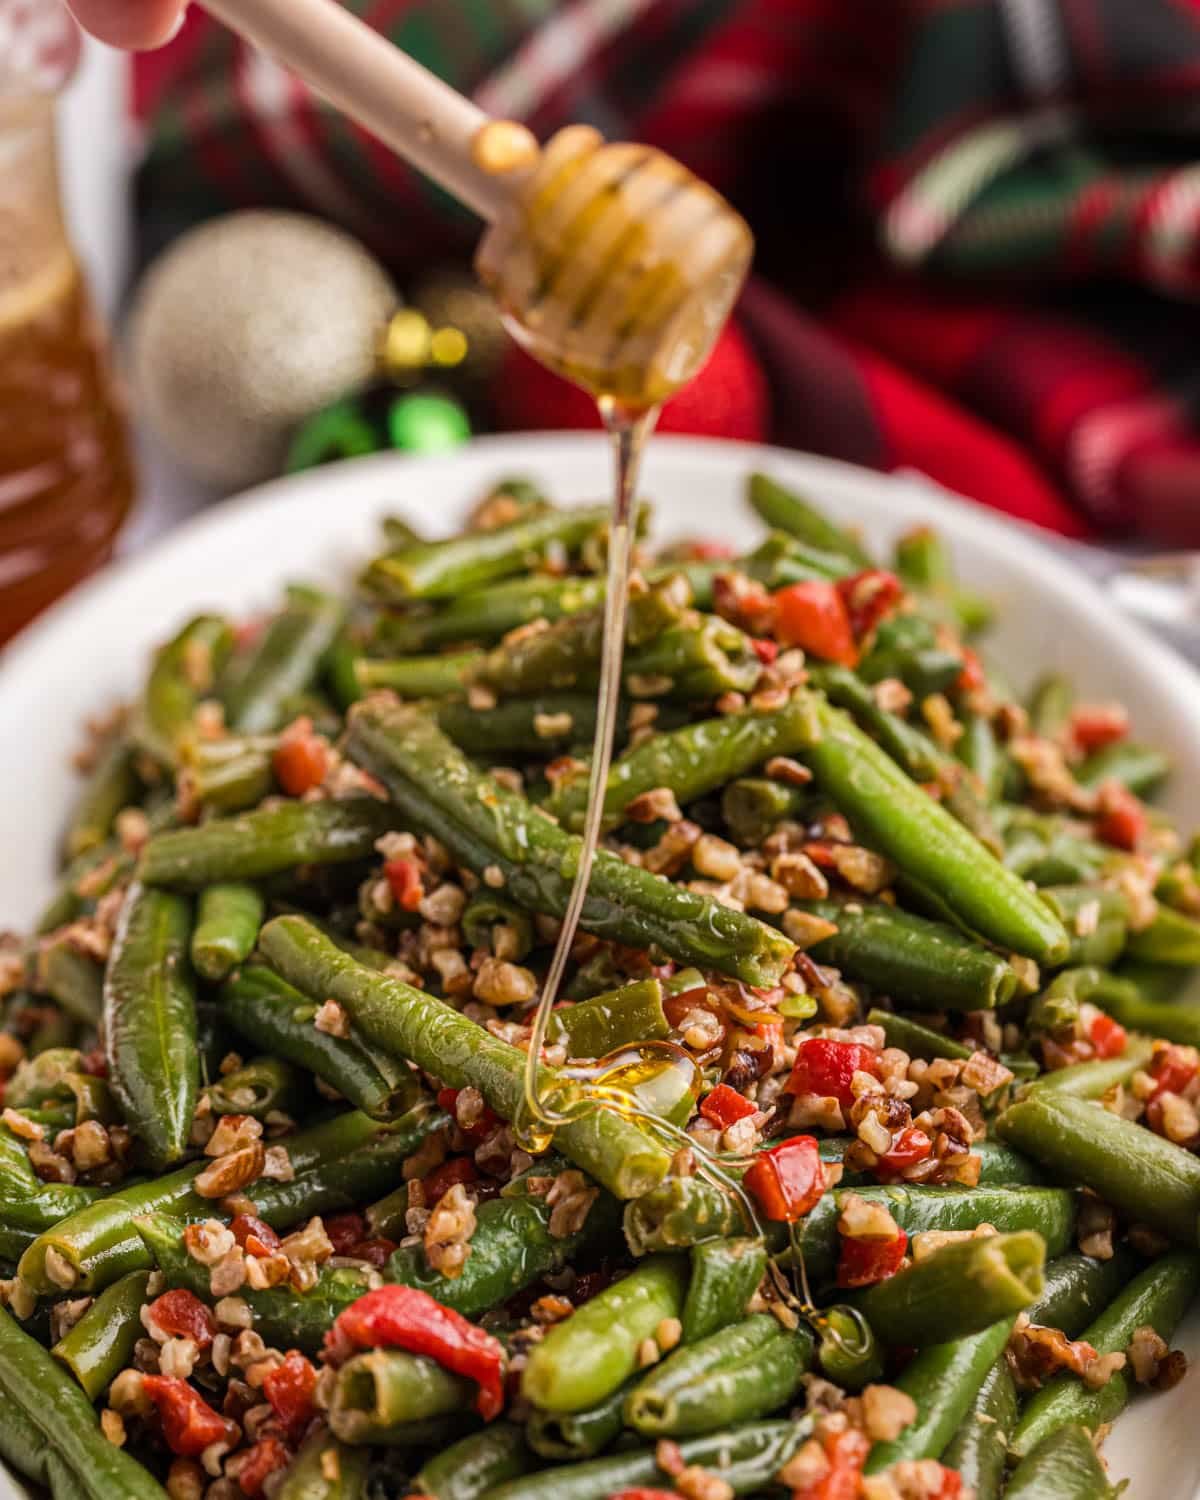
932	182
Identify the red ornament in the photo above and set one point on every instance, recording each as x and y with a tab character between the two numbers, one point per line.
729	398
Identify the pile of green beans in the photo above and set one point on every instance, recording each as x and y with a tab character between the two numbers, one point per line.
308	898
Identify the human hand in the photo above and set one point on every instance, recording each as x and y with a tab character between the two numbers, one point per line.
130	23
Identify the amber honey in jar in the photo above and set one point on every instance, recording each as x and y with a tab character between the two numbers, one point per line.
66	479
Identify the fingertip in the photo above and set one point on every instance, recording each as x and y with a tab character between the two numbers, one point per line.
135	25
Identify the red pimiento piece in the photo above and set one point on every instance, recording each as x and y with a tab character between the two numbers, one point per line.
1120	818
182	1315
765	650
344	1230
267	1457
972	677
787	1180
401	1317
375	1252
826	1068
255	1237
724	1106
951	1486
704	549
404	878
189	1424
847	1453
301	758
909	1147
1107	1036
1095	725
869	597
483	1127
459	1169
1173	1068
289	1388
864	1262
644	1494
813	615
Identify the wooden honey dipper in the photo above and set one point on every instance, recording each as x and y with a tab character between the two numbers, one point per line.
612	263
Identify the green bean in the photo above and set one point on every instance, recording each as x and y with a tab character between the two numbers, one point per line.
282	663
978	1450
1141	768
263	1086
325	1469
150	1022
1157	1298
1063	1466
44	1078
485	910
409	1023
112	784
476	1463
227	921
914	1038
754	806
848	1352
921	963
417	676
924	840
588	1355
620	1018
445	570
578	1434
489	613
266	842
50	1431
1095	919
943	1380
184	671
228	775
1153	981
29	1206
386	1216
1076	1287
100	1345
1050	705
1171	938
692	761
1174	1020
960	1289
385	1389
485	826
1148	1179
71	979
525	726
747	1458
725	1275
281	1020
786	511
980	752
742	1372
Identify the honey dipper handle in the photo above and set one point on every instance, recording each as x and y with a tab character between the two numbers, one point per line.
407	107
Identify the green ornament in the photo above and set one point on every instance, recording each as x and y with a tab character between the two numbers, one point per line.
424	422
340	431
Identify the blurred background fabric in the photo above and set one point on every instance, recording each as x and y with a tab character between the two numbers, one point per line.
978	220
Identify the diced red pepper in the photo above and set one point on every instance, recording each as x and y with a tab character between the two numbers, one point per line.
444	1177
869	596
787	1180
289	1388
483	1127
724	1106
813	615
1173	1068
822	852
255	1237
826	1068
189	1424
376	1252
182	1315
1095	725
404	877
847	1453
910	1147
951	1486
705	549
644	1494
765	650
864	1262
267	1457
1120	818
972	677
401	1317
1107	1036
344	1230
301	758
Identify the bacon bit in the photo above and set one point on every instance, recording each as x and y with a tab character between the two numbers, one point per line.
723	1106
267	1457
404	879
344	1230
290	1388
1093	726
376	1252
870	596
301	758
1120	818
189	1424
181	1314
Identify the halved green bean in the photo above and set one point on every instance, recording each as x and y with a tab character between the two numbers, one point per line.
917	962
1063	1466
564	1435
848	1351
754	806
477	1462
1141	768
385	1389
1157	1298
150	1022
1145	1177
280	1019
184	671
487	827
978	1450
943	1380
786	511
227	775
924	840
725	1275
113	783
72	979
282	663
485	911
325	1469
960	1289
100	1345
43	1079
588	1355
266	842
228	917
263	1086
1171	938
596	1027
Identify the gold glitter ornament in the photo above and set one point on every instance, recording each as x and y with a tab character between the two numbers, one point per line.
246	326
453	301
